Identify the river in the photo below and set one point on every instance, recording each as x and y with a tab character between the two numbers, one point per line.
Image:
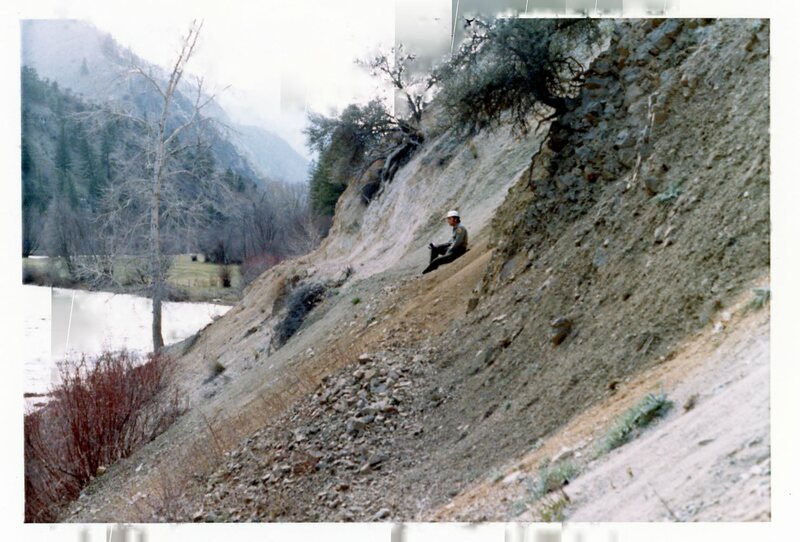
60	322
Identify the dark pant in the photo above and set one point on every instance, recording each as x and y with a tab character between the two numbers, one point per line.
440	256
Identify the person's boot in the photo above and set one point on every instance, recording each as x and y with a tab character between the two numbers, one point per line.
431	267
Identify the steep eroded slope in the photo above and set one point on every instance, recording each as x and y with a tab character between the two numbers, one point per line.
644	217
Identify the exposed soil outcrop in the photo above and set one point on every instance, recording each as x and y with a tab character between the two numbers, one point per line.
637	227
708	460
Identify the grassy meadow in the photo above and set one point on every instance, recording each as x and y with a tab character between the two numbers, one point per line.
187	280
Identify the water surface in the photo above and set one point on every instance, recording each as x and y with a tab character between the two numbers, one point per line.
60	322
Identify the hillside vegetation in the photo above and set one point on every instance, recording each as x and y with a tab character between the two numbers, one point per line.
90	63
614	249
89	112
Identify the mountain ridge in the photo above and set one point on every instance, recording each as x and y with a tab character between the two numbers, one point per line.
89	62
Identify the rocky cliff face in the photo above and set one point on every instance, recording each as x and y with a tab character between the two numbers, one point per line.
639	223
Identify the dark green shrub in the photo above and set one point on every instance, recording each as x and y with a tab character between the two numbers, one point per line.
346	145
300	302
513	66
650	408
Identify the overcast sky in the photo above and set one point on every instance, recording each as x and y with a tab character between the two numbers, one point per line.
280	58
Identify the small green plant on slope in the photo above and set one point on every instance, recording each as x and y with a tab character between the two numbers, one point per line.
650	408
672	192
552	507
497	477
217	369
552	477
760	298
355	300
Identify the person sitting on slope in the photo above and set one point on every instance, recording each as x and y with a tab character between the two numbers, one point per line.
447	252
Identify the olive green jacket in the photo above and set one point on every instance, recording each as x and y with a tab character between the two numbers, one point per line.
459	240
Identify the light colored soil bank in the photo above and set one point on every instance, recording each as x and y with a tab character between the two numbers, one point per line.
707	460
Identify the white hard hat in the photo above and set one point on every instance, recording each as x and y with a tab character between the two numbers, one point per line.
453	213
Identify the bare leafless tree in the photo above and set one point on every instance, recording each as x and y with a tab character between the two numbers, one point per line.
395	68
151	198
272	221
162	150
306	233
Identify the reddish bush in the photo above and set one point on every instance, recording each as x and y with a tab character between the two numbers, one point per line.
102	410
253	266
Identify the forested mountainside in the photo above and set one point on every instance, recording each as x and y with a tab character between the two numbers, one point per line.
94	66
87	126
73	152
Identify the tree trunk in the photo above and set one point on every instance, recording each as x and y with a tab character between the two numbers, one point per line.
156	272
161	156
158	340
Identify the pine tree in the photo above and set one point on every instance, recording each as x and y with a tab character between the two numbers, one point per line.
106	148
89	166
65	186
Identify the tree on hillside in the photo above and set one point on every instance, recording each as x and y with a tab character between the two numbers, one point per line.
406	134
164	145
350	144
63	229
395	68
347	145
34	201
514	66
362	135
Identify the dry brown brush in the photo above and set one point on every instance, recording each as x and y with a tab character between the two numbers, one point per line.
102	410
